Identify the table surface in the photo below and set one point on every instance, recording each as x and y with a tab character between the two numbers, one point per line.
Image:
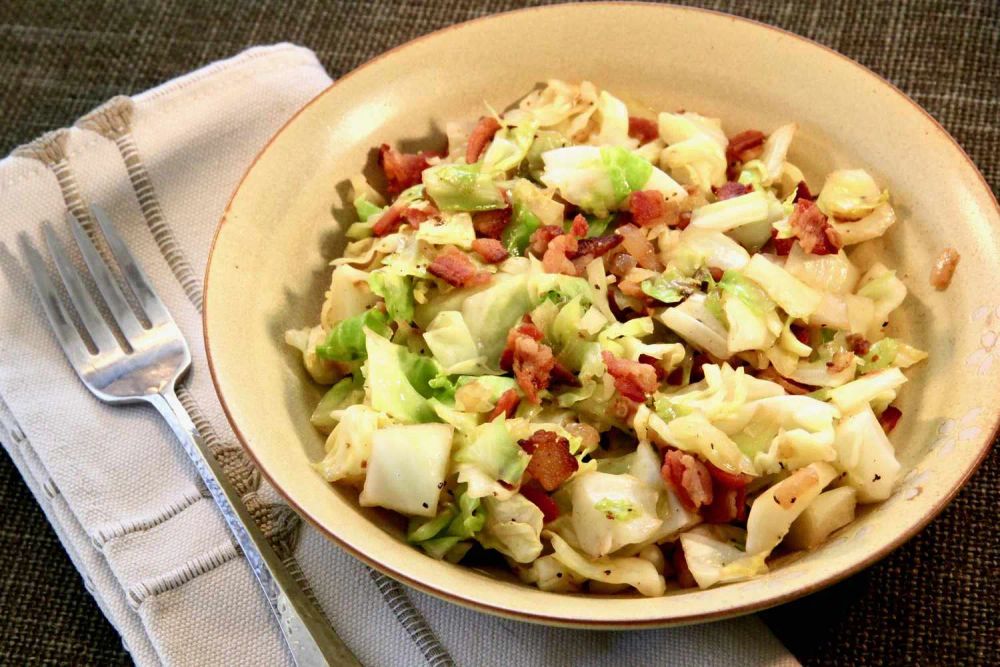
932	601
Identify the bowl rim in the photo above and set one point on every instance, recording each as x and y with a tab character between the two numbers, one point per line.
738	609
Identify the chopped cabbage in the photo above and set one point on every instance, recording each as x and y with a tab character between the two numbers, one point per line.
717	555
458	187
795	297
636	572
407	467
866	455
610	511
513	527
850	194
349	447
730	213
773	511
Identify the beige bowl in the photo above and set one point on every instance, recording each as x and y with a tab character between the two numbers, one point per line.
268	267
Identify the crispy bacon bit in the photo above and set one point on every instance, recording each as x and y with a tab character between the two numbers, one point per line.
802	192
814	231
562	375
491	250
781	246
716	273
731	189
684	220
490	224
506	405
454	267
697	367
745	146
388	222
801	332
839	362
729	480
481	135
648	207
689	478
649	360
534	492
637	245
597	246
889	418
525	328
551	463
727	505
415	216
790	386
556	258
633	380
402	170
530	359
944	269
579	226
684	577
859	344
643	129
541	238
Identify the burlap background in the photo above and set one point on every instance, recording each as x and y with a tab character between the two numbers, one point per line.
932	602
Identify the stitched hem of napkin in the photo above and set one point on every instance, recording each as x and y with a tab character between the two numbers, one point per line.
140	592
112	121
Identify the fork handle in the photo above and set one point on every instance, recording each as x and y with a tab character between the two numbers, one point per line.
310	639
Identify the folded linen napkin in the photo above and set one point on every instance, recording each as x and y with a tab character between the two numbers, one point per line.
115	485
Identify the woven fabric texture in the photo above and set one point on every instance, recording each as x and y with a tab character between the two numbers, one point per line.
933	601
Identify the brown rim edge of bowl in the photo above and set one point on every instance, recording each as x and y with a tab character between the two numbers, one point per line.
736	610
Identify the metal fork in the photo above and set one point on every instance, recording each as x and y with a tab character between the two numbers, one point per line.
146	370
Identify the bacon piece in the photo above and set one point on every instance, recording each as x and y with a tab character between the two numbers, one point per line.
562	375
802	192
633	380
415	216
729	480
490	224
534	492
716	273
525	328
684	577
801	332
814	231
597	246
643	129
551	463
541	238
388	222
859	344
781	246
557	254
745	146
727	505
454	267
491	250
649	360
481	135
689	478
731	189
637	245
506	405
531	360
648	207
697	362
944	269
402	170
579	227
889	418
684	220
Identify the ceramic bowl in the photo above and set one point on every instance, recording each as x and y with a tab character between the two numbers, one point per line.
268	268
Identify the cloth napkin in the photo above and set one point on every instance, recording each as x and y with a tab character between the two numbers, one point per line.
115	485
